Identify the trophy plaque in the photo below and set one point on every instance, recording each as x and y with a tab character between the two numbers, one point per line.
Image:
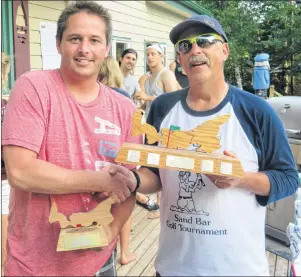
84	230
172	152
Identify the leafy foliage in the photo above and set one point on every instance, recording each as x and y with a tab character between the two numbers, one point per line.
253	27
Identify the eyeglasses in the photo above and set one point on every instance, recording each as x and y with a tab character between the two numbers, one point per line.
203	41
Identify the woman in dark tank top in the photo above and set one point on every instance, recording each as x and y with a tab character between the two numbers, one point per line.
180	76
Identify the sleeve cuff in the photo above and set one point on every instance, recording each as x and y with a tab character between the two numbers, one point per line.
265	200
262	200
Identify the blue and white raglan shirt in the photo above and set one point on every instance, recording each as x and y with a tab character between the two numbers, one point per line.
210	231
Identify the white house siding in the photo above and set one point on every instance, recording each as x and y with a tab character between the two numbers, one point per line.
140	21
46	11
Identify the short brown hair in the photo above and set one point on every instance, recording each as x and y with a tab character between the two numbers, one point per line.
89	7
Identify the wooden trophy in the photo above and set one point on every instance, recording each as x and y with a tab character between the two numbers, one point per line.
171	154
84	230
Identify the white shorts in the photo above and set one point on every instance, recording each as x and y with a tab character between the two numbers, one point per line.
5	188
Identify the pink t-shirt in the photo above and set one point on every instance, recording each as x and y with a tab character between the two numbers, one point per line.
43	116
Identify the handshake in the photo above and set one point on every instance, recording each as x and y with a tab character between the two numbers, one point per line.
118	180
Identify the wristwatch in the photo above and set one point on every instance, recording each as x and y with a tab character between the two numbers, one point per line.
137	179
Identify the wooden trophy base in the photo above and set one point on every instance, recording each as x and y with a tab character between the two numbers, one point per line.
82	238
84	230
184	160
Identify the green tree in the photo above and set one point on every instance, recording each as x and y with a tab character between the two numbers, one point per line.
254	27
280	36
233	16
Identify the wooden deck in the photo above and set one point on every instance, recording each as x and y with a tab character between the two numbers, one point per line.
144	242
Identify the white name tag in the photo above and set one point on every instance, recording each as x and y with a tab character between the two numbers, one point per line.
207	165
133	156
180	162
226	168
153	159
82	241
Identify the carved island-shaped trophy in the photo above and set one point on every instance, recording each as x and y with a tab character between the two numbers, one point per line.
172	152
84	230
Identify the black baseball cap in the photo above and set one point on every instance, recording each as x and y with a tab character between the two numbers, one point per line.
194	21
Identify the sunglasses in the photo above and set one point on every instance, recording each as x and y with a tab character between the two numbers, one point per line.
203	41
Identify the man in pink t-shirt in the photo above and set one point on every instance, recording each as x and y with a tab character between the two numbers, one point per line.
61	133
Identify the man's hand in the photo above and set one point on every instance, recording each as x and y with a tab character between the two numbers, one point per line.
119	181
135	95
143	96
224	182
114	169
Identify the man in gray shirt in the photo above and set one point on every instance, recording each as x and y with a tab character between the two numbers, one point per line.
127	64
162	80
131	84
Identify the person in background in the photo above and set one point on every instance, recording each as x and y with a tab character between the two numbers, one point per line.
111	76
58	127
141	82
160	81
5	69
127	65
179	72
5	187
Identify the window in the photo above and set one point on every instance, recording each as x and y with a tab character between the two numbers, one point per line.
118	46
163	46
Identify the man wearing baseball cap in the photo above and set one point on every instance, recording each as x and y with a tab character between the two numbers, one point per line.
212	224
